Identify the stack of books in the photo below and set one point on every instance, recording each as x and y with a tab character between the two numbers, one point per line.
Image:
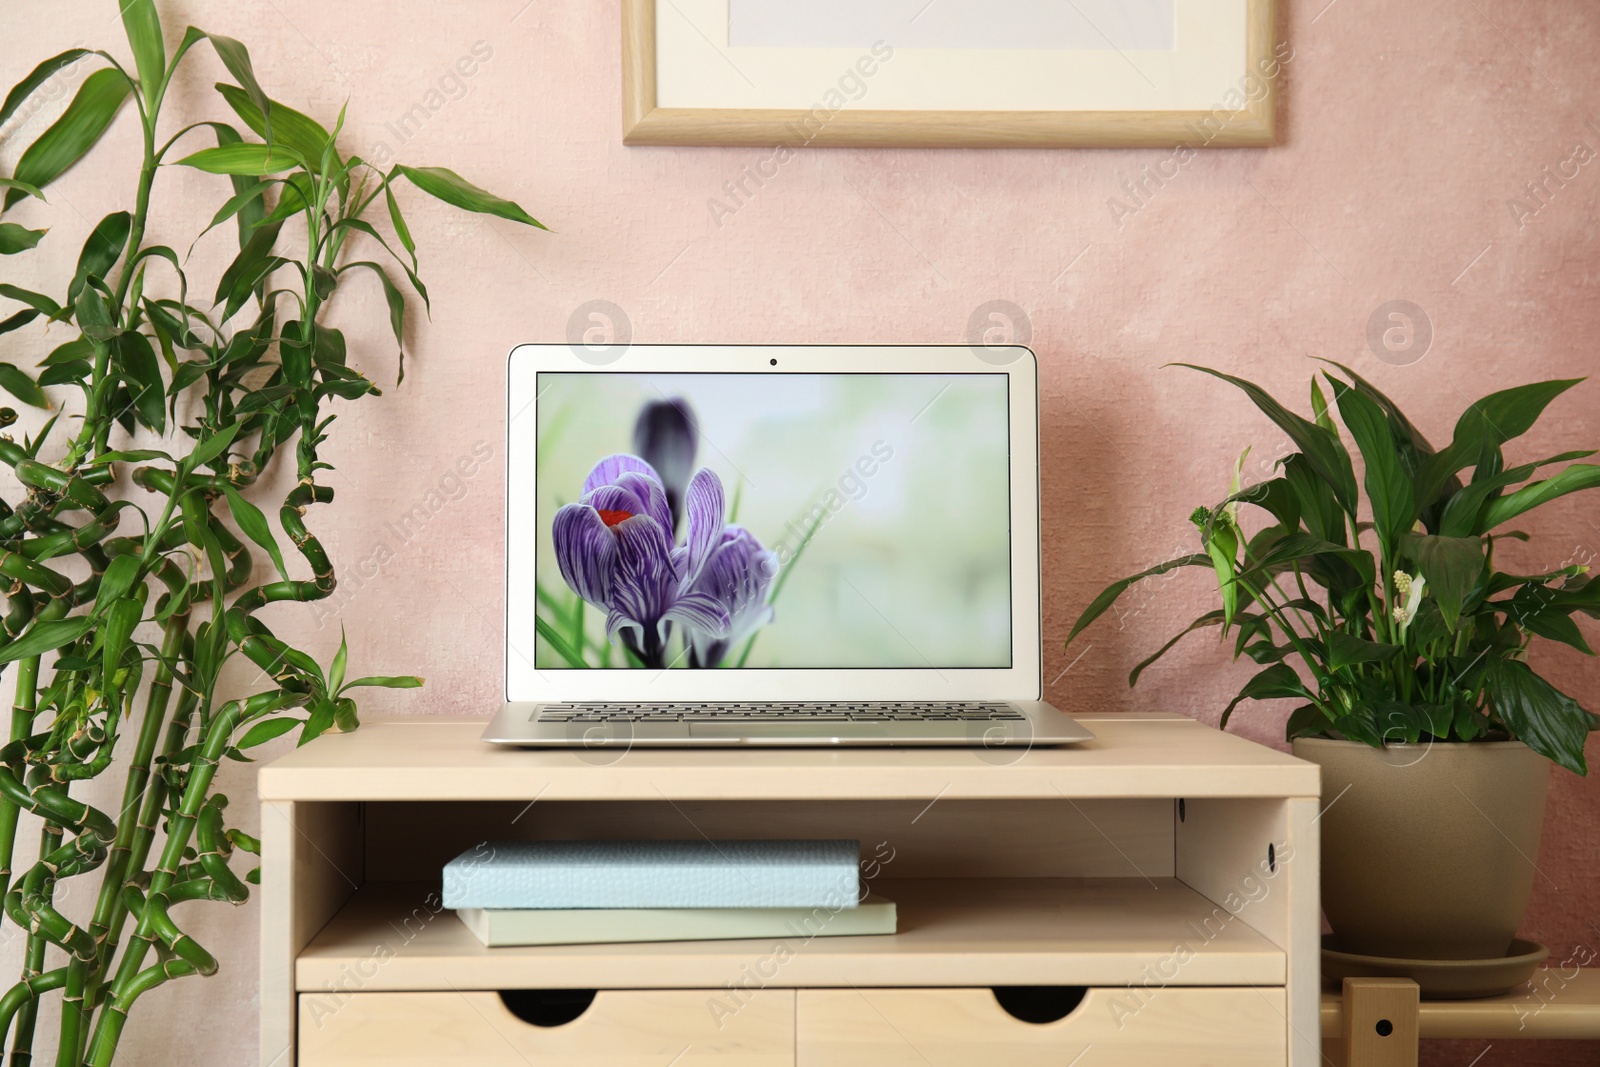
589	892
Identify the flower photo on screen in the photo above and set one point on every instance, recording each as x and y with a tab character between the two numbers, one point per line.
704	521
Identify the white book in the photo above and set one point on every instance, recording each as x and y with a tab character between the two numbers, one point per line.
497	927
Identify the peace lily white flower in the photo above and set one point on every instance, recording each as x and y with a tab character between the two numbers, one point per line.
1412	589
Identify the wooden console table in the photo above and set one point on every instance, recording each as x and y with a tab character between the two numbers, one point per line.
1162	877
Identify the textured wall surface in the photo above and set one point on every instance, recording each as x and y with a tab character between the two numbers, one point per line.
1411	135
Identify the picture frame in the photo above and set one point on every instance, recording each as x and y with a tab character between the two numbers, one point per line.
676	93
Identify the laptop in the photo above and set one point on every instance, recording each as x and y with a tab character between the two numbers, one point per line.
713	546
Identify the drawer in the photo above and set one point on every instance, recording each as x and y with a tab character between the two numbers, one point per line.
1182	1027
621	1028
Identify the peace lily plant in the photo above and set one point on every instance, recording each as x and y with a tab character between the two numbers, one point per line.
127	588
1386	617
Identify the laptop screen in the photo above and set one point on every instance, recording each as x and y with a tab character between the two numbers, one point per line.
703	521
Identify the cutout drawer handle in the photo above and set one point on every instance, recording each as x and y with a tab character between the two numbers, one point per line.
1039	1004
547	1007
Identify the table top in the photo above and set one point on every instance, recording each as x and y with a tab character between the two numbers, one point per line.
1132	755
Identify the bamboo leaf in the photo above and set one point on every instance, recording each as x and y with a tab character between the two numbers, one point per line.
236	57
253	524
44	637
15	381
403	681
245	158
398	220
289	127
37	77
19	320
15	238
101	251
21	187
143	27
141	369
212	447
321	719
445	184
37	301
74	133
266	730
120	621
116	581
341	660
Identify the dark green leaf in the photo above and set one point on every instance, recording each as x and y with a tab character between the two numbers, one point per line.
94	314
116	581
120	622
1537	714
101	251
1576	478
236	58
1345	650
1557	626
1320	447
141	369
401	230
15	381
1389	488
1210	618
253	524
19	320
14	238
1462	512
74	133
1452	566
37	301
453	189
1278	680
1108	596
22	187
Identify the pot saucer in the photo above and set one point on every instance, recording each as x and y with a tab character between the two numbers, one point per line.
1441	979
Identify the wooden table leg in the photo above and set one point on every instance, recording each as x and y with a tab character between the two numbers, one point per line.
1380	1022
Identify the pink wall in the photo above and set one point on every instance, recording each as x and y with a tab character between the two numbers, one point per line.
1407	129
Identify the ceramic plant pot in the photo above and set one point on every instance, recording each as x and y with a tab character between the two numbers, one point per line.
1428	851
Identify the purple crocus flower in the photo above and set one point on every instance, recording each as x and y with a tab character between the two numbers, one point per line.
738	572
615	550
665	437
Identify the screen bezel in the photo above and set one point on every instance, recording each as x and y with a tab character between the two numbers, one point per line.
1021	681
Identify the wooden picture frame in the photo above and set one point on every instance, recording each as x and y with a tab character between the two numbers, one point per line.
1253	124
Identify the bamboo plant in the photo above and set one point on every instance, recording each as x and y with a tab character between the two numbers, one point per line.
1401	625
129	580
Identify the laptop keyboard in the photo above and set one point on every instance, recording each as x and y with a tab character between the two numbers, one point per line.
941	711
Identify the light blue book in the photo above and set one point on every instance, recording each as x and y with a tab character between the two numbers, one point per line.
655	874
